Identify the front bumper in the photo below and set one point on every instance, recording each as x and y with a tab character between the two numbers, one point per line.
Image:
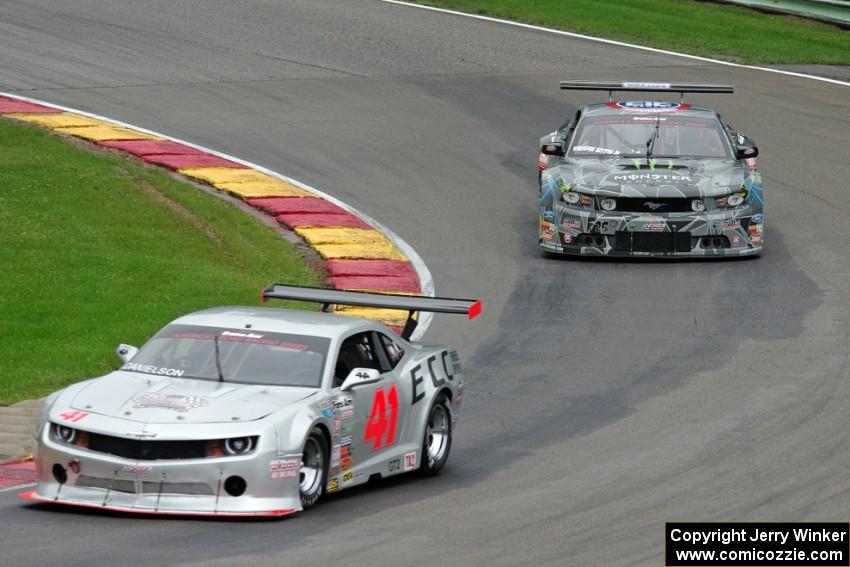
194	487
718	233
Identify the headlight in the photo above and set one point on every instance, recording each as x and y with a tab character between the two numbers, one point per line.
729	200
608	204
735	200
239	445
69	435
571	197
64	433
697	205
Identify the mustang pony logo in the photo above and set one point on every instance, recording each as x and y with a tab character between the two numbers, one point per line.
654	206
179	403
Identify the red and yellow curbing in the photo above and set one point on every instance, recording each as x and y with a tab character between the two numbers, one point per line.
358	255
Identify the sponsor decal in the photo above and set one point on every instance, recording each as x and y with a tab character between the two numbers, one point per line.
551	246
654	226
151	369
547	231
410	460
136	469
571	222
169	401
595	150
436	381
333	485
343	402
649	106
394	465
345	460
335	456
242	335
641	86
736	240
757	218
74	416
549	216
568	238
347	477
731	225
239	337
74	465
284	468
751	163
652	178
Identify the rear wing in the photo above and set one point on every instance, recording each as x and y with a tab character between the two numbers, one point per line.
410	303
648	87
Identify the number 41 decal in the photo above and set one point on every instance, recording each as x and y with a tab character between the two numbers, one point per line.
73	416
380	429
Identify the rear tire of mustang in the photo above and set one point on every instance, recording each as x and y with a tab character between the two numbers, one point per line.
314	468
437	442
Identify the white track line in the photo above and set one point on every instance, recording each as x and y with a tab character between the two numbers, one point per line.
426	282
17	487
615	43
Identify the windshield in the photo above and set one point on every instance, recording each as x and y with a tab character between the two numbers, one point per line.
244	356
630	135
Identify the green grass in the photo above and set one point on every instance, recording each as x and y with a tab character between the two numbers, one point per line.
710	30
97	249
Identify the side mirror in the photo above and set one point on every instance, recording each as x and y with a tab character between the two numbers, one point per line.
126	352
360	377
745	148
553	149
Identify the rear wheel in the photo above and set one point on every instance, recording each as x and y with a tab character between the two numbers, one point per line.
437	442
314	468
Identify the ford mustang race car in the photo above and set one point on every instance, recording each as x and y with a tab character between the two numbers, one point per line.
254	411
649	178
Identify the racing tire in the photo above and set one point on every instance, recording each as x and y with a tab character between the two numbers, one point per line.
314	468
437	440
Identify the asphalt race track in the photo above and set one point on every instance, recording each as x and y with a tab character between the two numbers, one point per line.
602	398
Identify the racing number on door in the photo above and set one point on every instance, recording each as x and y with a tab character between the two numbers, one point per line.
380	429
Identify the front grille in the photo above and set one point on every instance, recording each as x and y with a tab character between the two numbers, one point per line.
192	488
146	450
652	241
148	487
117	485
652	205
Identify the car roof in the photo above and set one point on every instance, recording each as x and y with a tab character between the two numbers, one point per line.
632	107
277	320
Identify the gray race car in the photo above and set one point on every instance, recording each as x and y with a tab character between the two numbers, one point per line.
254	411
649	178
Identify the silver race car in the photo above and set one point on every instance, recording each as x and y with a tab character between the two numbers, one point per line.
649	178
254	411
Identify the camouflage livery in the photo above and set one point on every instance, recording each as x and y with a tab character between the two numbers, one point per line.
653	196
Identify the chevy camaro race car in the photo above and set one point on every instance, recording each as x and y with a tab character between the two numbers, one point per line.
649	178
254	411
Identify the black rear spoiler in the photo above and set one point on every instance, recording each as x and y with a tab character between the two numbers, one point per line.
650	87
410	303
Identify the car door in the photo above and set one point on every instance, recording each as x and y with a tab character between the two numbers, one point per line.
378	409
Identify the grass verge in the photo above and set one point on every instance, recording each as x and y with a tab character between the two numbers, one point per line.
98	249
711	30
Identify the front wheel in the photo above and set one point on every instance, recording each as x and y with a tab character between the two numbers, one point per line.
314	468
437	442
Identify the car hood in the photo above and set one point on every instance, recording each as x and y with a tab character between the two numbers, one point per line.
655	178
148	399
